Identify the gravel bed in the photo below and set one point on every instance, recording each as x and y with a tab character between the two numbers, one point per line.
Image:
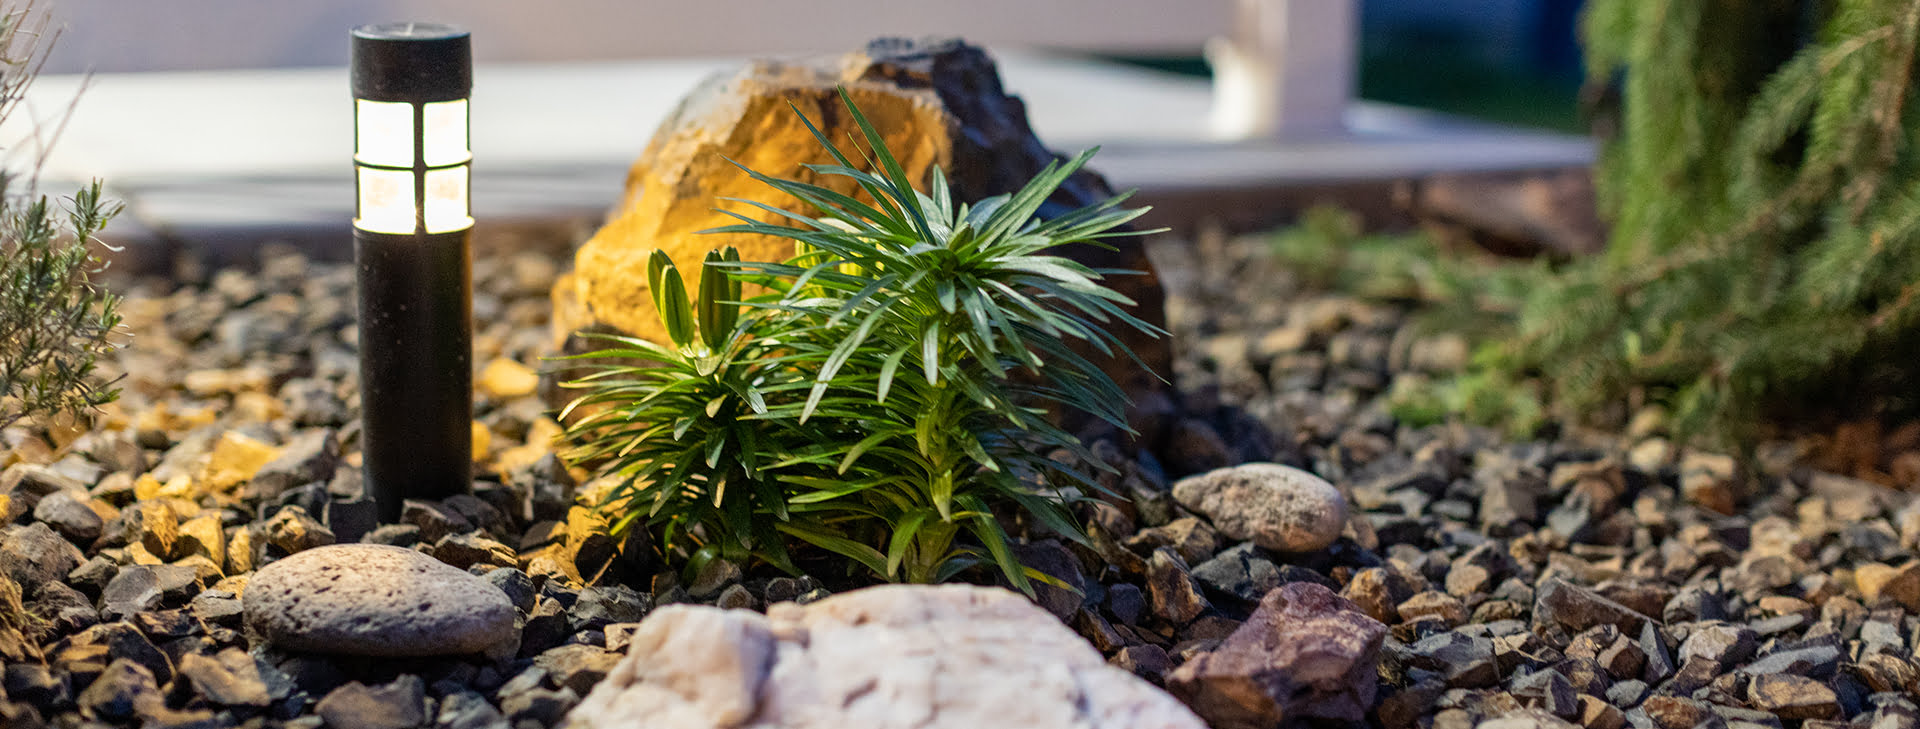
1598	581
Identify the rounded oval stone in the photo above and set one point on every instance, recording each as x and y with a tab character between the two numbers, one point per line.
1278	507
375	600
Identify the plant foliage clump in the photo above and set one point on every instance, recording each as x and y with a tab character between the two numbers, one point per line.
1764	190
54	321
887	395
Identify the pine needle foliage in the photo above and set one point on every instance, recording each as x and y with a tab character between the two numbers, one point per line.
55	322
888	395
1764	188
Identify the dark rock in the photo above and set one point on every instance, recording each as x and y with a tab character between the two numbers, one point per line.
1125	603
1577	608
713	576
33	683
393	535
229	678
782	589
468	710
351	520
1725	645
93	577
309	457
215	607
545	627
34	555
1305	652
479	513
1695	603
1548	690
1175	595
139	588
1147	661
401	704
65	609
434	520
736	597
1241	572
598	607
1628	694
576	667
1659	661
125	691
1052	558
67	512
540	707
546	488
1465	661
312	403
124	641
517	586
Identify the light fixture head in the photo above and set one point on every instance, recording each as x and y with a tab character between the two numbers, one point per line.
410	88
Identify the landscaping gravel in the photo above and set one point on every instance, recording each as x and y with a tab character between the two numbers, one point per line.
1594	580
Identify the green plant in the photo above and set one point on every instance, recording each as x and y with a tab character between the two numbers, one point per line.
888	394
1765	245
54	321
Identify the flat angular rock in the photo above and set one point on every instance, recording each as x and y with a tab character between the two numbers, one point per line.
1279	507
35	554
1305	652
375	600
1793	697
398	705
947	657
230	678
1577	608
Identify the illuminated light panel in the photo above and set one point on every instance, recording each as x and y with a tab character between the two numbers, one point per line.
447	206
383	133
386	201
444	129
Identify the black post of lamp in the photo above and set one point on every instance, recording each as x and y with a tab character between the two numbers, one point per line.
410	246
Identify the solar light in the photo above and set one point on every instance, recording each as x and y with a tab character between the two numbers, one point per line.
410	245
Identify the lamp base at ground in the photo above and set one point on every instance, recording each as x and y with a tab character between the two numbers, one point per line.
416	371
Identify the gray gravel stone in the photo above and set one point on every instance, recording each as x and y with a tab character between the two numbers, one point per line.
375	600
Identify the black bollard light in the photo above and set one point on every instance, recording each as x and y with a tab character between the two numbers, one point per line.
410	247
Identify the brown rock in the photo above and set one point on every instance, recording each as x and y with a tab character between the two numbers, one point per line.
1793	697
938	103
1175	595
1900	585
1433	605
1305	652
1378	591
1673	712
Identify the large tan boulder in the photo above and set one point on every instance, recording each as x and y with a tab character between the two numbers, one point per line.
937	103
948	657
